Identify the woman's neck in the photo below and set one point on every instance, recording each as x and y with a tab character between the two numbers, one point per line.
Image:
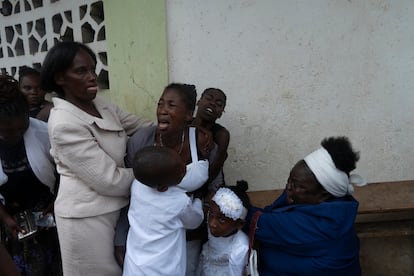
231	234
86	106
172	140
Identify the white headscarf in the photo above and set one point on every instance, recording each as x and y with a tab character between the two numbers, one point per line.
335	181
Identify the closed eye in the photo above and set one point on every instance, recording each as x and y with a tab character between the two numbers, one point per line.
80	70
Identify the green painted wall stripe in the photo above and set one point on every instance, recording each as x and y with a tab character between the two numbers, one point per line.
137	53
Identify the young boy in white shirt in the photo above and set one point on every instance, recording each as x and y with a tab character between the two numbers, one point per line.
158	214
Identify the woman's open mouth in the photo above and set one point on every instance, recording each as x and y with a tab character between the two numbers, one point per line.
163	124
209	112
92	89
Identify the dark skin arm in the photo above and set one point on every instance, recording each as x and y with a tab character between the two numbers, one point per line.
222	139
7	267
119	252
10	224
43	114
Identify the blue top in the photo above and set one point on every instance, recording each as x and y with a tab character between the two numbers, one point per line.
303	239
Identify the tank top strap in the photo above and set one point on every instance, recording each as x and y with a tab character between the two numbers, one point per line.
193	144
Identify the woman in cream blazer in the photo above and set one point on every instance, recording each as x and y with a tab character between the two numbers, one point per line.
88	138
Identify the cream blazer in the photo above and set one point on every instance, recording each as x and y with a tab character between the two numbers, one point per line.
89	154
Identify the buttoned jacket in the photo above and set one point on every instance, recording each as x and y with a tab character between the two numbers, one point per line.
89	154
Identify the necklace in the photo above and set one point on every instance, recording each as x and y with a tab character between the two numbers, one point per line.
182	142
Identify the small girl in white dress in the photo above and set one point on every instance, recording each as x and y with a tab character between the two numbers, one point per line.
225	252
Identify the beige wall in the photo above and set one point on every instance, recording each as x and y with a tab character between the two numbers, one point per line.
294	72
298	71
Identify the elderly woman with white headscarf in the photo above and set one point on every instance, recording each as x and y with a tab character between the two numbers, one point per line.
309	230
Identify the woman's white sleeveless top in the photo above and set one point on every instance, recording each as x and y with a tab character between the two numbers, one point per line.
197	170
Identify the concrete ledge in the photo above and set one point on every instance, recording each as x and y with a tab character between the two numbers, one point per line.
374	198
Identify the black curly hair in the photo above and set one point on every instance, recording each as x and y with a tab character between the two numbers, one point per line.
187	92
12	101
27	71
341	152
240	190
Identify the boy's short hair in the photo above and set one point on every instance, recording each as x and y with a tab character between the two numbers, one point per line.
218	90
153	166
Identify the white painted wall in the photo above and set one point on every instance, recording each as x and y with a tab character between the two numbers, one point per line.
298	71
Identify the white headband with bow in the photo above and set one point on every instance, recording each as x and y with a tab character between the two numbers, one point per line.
230	204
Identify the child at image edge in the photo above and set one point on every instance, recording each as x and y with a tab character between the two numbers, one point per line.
159	214
225	252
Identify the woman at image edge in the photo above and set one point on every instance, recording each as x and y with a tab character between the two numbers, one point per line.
88	137
309	229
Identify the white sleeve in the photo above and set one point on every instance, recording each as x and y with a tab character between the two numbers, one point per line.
238	258
192	214
3	179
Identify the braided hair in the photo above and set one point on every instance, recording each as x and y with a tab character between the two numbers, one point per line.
187	92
